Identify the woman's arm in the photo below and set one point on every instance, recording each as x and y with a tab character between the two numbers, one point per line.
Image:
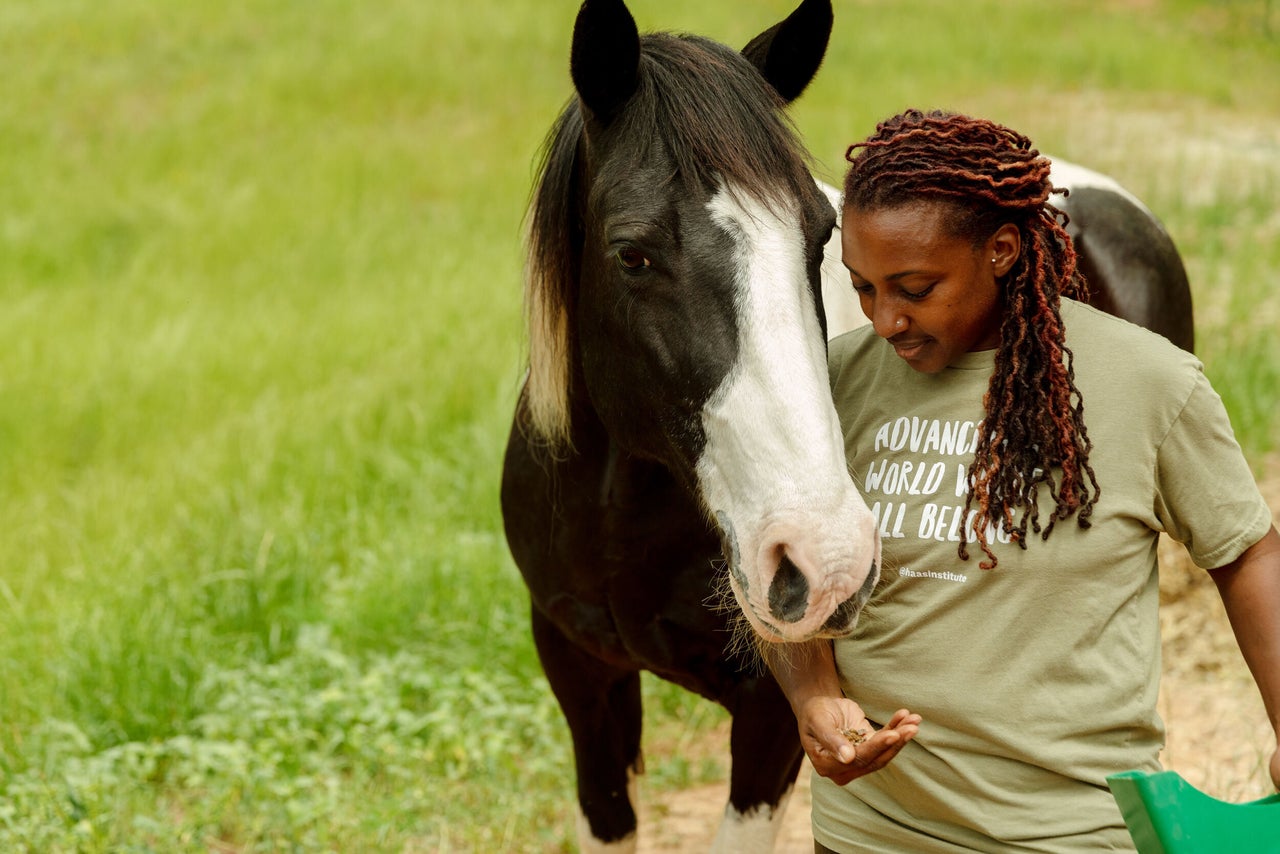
836	735
1250	589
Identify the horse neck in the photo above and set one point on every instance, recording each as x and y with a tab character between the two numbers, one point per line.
621	477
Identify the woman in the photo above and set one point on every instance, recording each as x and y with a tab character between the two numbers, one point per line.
985	405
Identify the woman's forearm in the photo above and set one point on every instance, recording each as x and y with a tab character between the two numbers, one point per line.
804	670
1250	590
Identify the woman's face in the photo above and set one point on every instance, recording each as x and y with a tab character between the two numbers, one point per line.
932	295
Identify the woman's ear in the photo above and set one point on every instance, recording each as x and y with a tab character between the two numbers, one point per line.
1005	246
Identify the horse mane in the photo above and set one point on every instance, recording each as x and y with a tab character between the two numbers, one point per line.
718	120
553	249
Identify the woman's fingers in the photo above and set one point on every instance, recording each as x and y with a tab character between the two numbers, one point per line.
844	751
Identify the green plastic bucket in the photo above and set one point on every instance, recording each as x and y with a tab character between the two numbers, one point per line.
1167	815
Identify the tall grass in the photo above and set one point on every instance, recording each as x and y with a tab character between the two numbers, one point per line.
259	270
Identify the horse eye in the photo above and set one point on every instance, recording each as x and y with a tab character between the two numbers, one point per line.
632	260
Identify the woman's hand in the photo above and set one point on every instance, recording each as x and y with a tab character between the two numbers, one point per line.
843	745
1275	769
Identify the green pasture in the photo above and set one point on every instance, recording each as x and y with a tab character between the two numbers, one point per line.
261	337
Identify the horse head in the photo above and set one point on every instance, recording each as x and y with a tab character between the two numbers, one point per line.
676	241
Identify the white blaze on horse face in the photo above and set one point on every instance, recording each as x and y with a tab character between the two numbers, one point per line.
773	470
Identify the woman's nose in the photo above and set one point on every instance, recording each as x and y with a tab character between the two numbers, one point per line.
887	321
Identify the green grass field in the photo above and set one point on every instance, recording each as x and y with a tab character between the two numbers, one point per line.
259	265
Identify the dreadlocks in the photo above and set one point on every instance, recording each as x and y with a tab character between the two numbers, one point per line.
1033	433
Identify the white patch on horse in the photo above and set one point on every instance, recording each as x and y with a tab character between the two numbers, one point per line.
754	832
589	844
1064	174
773	465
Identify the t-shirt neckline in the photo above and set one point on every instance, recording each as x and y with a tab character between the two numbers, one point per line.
974	361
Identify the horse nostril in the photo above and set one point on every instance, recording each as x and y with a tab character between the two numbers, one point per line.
843	614
789	592
869	583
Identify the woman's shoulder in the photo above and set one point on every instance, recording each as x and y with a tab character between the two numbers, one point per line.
1095	335
1133	363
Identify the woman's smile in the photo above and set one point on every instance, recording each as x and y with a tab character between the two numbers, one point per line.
909	348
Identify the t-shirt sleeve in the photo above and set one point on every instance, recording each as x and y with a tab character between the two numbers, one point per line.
1206	496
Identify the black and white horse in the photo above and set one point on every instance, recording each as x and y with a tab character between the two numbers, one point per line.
677	413
675	435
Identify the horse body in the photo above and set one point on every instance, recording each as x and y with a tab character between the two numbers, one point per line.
620	562
1132	266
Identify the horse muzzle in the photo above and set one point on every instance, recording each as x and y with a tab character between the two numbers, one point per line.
789	593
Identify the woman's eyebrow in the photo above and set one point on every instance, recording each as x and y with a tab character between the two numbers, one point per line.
892	277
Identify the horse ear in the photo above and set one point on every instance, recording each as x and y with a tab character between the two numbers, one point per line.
605	60
789	53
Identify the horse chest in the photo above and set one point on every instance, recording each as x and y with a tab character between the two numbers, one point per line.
641	591
615	552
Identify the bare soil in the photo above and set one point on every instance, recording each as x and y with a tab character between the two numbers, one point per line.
1218	735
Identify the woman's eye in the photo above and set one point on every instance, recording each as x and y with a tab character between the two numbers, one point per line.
915	295
633	260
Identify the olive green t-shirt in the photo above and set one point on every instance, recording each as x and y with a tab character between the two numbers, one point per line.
1038	678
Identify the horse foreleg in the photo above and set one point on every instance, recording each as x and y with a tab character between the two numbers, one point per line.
601	704
766	756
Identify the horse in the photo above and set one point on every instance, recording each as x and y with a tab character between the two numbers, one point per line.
675	467
676	426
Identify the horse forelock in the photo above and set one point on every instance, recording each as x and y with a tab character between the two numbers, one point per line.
717	118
